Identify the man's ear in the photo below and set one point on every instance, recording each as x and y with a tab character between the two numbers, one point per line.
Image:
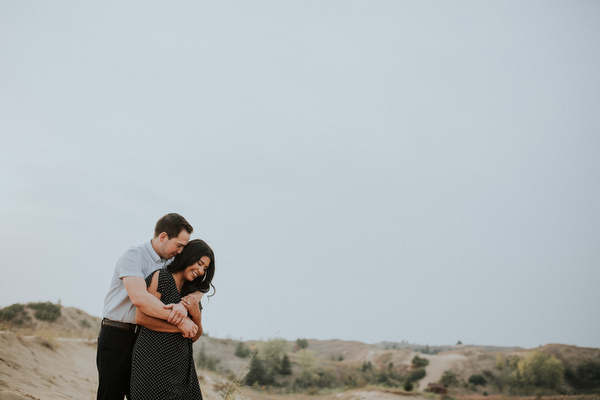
163	237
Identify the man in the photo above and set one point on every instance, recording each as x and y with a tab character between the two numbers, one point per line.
128	291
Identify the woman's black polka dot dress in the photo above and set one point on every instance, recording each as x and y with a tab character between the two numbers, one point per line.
163	363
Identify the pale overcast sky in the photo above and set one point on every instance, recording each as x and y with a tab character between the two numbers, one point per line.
364	170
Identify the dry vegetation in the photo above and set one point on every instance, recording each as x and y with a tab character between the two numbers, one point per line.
43	359
69	323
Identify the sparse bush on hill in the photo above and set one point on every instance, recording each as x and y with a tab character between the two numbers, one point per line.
449	378
241	350
15	314
428	350
408	386
499	362
48	320
416	374
301	344
271	361
205	361
477	379
585	377
540	370
45	311
286	366
257	373
278	370
419	362
536	373
272	354
390	378
320	378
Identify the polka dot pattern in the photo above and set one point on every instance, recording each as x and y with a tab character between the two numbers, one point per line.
163	363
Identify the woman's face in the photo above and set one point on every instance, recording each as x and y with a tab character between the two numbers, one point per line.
197	269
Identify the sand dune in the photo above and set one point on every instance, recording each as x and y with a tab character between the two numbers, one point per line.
437	365
36	368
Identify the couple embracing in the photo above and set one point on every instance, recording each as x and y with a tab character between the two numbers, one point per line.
152	316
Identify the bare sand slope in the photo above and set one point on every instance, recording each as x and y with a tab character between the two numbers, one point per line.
35	368
438	363
357	394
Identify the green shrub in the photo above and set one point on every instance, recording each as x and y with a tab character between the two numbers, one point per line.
15	314
241	350
417	374
205	361
286	366
540	370
272	353
45	311
408	386
585	377
449	378
84	323
257	372
477	379
390	377
419	362
301	344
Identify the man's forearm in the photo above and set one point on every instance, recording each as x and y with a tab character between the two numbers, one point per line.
143	300
152	307
155	324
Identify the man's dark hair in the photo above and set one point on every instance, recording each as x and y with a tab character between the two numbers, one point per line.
172	224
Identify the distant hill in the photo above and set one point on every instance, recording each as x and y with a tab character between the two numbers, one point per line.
50	347
426	349
49	320
371	364
571	356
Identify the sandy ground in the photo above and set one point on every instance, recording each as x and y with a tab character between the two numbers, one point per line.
438	363
357	394
35	368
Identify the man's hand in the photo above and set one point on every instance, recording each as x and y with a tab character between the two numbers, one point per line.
178	313
188	328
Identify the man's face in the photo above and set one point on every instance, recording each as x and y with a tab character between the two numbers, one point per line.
169	248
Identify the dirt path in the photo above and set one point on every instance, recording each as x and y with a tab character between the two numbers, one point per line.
438	363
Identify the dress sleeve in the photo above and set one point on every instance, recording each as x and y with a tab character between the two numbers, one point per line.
166	287
149	278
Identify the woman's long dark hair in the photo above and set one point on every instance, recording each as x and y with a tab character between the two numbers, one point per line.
191	254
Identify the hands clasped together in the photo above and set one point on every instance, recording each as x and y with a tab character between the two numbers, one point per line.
189	305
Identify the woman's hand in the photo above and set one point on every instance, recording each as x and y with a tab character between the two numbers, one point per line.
192	307
194	297
188	328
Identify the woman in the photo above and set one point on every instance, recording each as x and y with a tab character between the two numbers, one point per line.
163	362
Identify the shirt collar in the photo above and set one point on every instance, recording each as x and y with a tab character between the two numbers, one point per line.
153	254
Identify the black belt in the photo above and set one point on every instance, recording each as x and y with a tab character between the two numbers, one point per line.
121	325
